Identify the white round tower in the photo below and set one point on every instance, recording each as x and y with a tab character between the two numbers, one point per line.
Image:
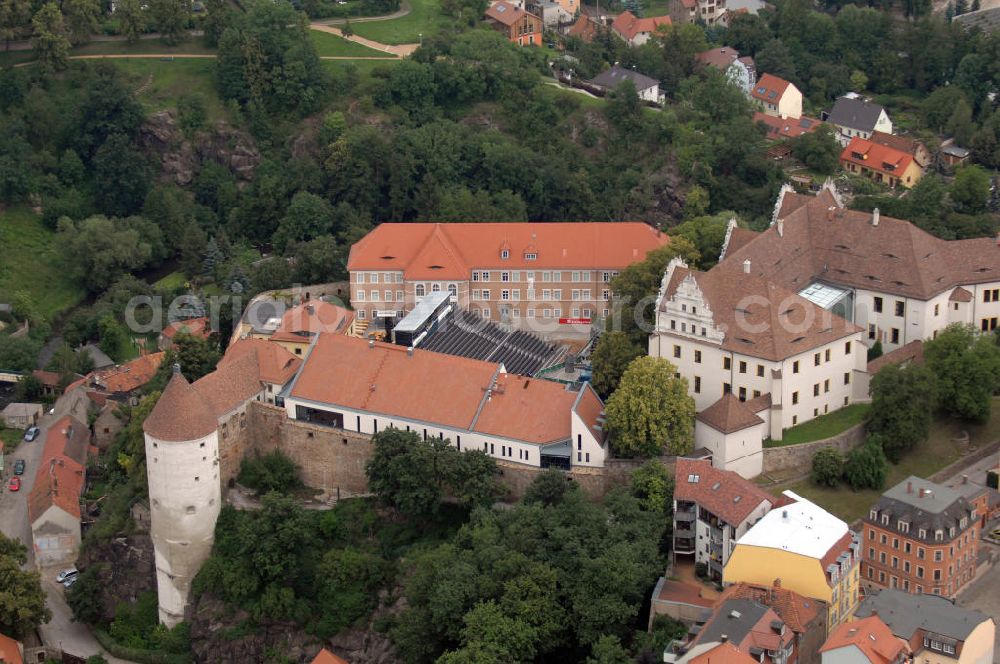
185	496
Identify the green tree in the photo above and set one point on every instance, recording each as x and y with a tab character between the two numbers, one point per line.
218	16
308	217
123	174
971	189
113	337
903	404
170	18
84	597
18	353
859	81
653	486
549	488
827	467
612	354
966	367
875	351
15	19
609	650
866	466
473	479
651	412
818	150
131	19
22	601
50	37
269	472
82	19
99	250
196	356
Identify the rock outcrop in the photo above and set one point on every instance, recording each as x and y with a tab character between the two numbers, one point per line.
180	156
125	567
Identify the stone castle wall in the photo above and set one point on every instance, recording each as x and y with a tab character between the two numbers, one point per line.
800	456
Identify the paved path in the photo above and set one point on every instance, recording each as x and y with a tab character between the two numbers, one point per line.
404	9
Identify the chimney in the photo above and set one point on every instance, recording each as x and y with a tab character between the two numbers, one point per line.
409	351
875	217
724	638
746	266
781	227
784	514
965	479
777	582
371	343
309	309
177	367
909	487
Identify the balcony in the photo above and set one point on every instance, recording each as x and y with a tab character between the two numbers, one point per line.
685	513
684	546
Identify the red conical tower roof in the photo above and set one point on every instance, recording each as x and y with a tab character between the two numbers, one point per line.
181	413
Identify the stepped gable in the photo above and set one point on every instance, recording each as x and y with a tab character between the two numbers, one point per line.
181	413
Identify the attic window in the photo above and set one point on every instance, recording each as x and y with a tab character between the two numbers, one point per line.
437	267
982	269
797	340
715	487
387	258
893	256
530	256
872	277
841	246
746	341
761	90
736	499
900	283
505	254
693	478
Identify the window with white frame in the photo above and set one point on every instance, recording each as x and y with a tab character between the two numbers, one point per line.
515	295
418	290
585	294
435	288
359	277
531	313
360	296
605	294
452	289
505	294
486	294
485	276
546	294
505	276
475	276
388	296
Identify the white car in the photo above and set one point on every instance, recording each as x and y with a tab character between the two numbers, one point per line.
67	574
70	581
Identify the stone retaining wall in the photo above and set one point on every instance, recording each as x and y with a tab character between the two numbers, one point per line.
800	456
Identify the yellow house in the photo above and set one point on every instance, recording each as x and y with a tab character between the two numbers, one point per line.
813	553
938	631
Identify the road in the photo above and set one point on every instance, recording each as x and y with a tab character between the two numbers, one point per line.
982	595
61	631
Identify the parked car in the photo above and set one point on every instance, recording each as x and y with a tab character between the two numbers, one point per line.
19	467
14	484
67	574
70	581
31	434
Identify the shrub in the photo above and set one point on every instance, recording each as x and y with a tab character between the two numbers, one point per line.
875	351
866	466
827	467
269	472
84	597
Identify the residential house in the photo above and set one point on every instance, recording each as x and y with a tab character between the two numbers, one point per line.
585	27
11	650
529	275
953	155
804	616
711	12
713	508
715	652
743	341
295	328
199	327
740	70
782	128
979	496
894	280
864	641
518	25
921	537
910	146
816	554
54	500
777	97
98	357
637	31
880	163
110	389
367	386
854	116
21	415
553	14
938	630
647	88
752	628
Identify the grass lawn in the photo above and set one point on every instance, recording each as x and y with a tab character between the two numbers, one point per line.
424	18
160	84
930	456
823	426
10	439
30	262
655	7
331	45
172	281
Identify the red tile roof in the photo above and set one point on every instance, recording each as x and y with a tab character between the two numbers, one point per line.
720	58
387	379
755	316
960	295
724	653
180	414
585	28
628	25
10	651
684	593
769	88
504	12
847	249
324	656
729	414
308	318
839	547
452	251
274	363
47	378
197	327
722	492
60	474
797	611
876	157
129	376
869	635
911	352
233	382
787	127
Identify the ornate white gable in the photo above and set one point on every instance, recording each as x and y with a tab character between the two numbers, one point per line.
685	312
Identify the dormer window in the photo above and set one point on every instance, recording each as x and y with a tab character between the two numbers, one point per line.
922	533
530	256
885	519
505	254
873	514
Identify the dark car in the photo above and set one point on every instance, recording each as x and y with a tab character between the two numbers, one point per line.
19	467
31	433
